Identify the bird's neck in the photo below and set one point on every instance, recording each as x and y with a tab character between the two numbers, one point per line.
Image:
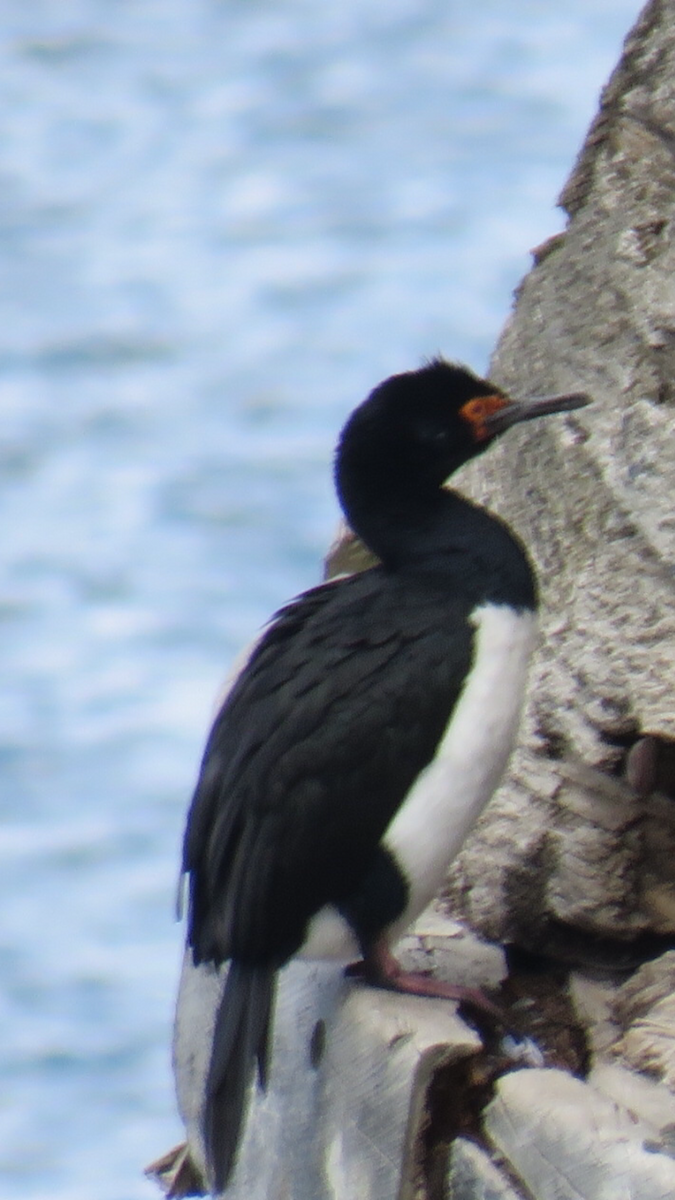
446	537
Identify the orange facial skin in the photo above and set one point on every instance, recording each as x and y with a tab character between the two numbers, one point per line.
476	412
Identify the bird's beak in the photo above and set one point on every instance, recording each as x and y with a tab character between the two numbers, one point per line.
515	411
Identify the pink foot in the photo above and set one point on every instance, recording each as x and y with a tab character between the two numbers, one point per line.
381	969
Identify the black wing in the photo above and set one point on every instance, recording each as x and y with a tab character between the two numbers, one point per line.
338	710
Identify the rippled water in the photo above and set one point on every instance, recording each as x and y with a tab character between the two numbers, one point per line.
220	224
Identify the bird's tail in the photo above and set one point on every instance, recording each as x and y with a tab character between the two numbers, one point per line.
240	1038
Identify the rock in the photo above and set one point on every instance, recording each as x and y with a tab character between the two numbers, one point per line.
644	1011
655	981
593	1001
452	952
649	1043
317	1133
473	1175
591	496
567	1141
561	844
650	1102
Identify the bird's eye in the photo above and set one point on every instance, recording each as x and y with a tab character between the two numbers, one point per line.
431	434
477	409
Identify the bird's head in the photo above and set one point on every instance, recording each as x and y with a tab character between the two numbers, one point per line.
415	429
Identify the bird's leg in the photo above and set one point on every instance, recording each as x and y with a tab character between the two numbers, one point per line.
381	969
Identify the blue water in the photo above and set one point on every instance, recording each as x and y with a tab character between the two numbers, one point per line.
220	224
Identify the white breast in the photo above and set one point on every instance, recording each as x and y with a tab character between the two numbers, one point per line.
450	794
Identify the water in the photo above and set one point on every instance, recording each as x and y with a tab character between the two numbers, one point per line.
220	224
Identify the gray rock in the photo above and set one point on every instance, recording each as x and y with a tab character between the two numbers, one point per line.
645	1008
650	1102
655	981
351	1068
567	1141
473	1175
592	496
450	950
593	1001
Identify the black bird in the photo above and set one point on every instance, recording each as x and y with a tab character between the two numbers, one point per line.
368	729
